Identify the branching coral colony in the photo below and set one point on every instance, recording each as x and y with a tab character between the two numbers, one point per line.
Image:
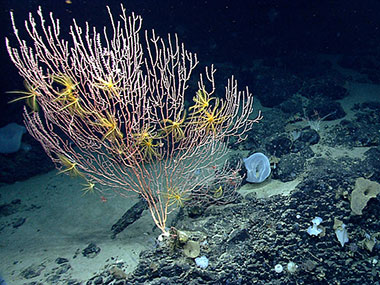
110	108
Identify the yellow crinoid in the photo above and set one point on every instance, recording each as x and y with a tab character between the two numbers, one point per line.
110	124
209	119
202	101
176	197
30	96
218	192
174	128
71	167
68	96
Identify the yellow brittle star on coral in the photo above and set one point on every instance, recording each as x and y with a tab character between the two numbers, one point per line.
146	133
177	197
210	119
218	192
109	123
148	149
71	166
175	127
31	96
68	96
202	101
108	85
89	187
145	144
65	81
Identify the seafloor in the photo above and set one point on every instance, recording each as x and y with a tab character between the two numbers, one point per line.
50	234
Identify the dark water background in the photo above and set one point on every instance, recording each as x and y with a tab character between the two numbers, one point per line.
236	31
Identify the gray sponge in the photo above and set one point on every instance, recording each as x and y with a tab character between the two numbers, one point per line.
10	137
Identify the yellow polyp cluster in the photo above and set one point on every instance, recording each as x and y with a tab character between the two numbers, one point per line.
30	96
68	96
